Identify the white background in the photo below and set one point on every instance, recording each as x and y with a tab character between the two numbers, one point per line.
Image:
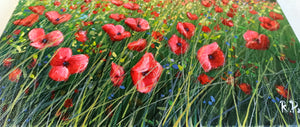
291	9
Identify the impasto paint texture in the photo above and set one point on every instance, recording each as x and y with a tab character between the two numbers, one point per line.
149	63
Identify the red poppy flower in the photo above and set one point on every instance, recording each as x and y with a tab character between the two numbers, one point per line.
208	3
117	74
211	56
87	1
146	73
186	29
137	24
116	33
56	18
256	41
131	6
246	88
204	79
117	2
37	9
206	29
157	35
155	13
225	2
178	45
83	8
68	103
64	64
81	36
56	3
275	16
253	12
283	92
28	21
217	27
218	9
117	17
138	45
231	12
192	16
15	75
87	23
7	62
40	40
235	5
228	22
269	24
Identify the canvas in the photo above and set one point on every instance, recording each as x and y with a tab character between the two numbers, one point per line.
149	63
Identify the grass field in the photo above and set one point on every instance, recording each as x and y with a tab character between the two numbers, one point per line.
250	88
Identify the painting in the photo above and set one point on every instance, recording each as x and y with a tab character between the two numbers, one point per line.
149	63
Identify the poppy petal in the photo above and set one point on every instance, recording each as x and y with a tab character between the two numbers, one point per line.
59	73
61	55
117	74
15	75
77	63
55	38
138	45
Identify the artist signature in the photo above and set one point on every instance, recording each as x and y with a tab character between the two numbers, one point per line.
289	107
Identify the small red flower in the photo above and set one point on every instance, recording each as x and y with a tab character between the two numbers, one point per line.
146	73
117	74
37	9
269	24
206	29
15	75
283	92
87	23
217	27
256	41
81	36
28	21
137	24
235	5
131	6
87	1
253	12
56	18
246	88
228	22
210	56
116	33
56	3
7	62
64	64
17	32
186	29
231	13
208	3
138	45
117	17
117	2
178	45
218	9
204	79
40	40
157	35
275	16
192	16
225	2
68	103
